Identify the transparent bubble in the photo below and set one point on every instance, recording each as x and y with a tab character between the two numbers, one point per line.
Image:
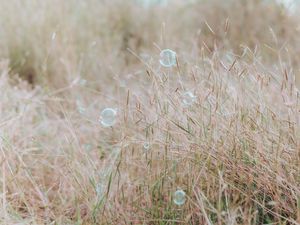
145	57
179	197
147	146
188	98
100	190
167	58
150	3
108	117
87	147
82	82
80	108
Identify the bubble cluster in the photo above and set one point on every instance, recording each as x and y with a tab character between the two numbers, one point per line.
188	99
108	117
179	197
167	58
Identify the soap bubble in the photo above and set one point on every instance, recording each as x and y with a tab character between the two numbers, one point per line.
150	3
146	146
179	197
100	190
82	82
80	107
167	58
145	57
87	147
188	98
108	117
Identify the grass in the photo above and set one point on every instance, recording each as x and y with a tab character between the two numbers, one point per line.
235	151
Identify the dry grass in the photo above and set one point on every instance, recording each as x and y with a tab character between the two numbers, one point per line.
235	152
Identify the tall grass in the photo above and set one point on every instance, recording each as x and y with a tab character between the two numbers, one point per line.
234	152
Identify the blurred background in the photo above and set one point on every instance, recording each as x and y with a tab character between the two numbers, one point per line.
51	45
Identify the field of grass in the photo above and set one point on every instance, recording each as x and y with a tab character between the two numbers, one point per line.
221	125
